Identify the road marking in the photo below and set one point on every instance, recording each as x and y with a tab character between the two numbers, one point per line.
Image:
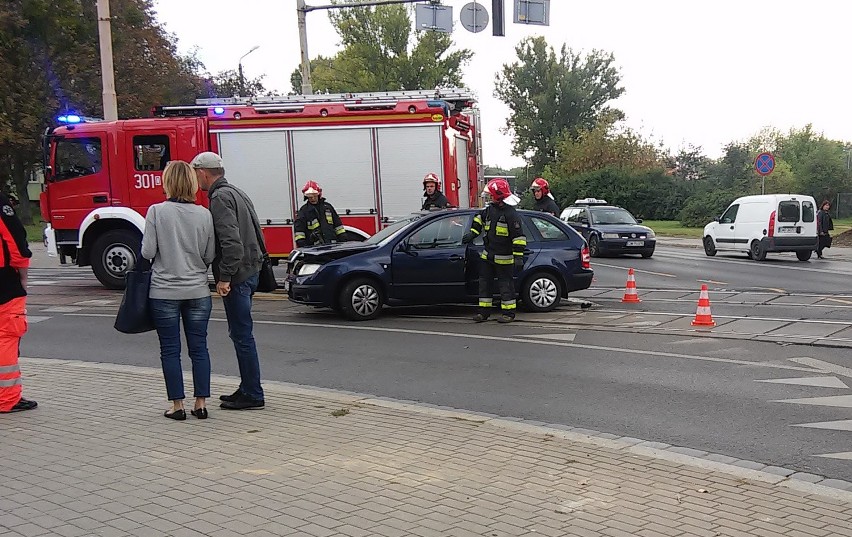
845	456
61	309
828	367
635	270
734	317
492	338
98	302
770	265
558	337
714	282
819	382
841	401
839	300
32	319
840	425
42	282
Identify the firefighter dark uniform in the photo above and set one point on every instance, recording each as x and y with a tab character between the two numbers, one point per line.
317	223
547	205
436	201
14	258
504	242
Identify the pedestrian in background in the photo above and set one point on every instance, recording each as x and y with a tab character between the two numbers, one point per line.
14	262
236	269
824	225
433	198
544	201
179	239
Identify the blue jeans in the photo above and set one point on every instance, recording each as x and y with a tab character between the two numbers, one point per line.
238	311
167	316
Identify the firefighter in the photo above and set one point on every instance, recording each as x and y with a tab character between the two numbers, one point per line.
543	199
317	222
434	199
504	250
14	262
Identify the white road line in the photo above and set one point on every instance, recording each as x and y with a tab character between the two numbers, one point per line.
841	401
840	425
641	271
845	456
734	317
516	340
809	269
817	382
828	367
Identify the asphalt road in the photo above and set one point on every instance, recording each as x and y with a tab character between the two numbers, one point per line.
703	393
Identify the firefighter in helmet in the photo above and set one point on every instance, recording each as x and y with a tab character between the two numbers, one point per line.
434	199
543	199
316	222
504	250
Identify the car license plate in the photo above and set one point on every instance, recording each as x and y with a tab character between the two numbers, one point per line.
635	243
786	229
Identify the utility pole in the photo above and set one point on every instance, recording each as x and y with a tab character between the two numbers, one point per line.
107	75
301	12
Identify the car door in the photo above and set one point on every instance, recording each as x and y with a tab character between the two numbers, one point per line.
726	229
428	266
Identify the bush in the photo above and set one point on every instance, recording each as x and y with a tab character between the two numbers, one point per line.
702	208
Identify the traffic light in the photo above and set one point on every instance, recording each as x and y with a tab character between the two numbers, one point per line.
498	23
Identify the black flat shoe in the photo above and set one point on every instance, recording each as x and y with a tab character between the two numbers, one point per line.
230	398
200	413
179	415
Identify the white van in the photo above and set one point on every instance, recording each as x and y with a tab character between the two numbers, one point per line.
757	225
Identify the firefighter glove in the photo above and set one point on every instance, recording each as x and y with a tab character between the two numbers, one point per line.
468	237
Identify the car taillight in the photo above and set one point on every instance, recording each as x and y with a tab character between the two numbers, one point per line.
586	257
772	224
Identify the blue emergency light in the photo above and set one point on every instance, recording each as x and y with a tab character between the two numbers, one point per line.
219	110
70	119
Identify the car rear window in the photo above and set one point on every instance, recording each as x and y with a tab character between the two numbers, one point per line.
807	211
788	211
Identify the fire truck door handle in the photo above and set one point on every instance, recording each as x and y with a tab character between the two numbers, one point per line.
99	199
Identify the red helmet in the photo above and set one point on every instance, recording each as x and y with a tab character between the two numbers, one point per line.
499	189
540	184
312	187
432	178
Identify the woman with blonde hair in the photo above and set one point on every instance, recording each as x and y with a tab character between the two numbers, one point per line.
179	239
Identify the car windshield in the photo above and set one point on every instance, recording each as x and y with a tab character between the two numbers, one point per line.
392	230
612	216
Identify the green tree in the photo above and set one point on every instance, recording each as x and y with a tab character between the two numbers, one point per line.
381	52
228	84
554	97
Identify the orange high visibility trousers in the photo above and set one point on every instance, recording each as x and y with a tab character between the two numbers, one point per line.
13	325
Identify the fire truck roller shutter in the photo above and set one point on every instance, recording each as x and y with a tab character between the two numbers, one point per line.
258	163
341	160
406	154
463	172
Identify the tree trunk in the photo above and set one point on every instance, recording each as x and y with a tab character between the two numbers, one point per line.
19	179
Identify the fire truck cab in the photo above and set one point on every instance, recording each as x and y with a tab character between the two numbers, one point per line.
368	151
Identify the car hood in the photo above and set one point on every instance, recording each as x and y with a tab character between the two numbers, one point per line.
330	252
622	228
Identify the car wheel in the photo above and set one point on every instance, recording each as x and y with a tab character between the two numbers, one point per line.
757	251
541	292
804	255
647	254
594	246
709	246
114	255
361	300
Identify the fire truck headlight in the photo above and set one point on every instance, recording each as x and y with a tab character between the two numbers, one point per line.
219	110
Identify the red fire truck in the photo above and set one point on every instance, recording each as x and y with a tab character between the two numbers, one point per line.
368	151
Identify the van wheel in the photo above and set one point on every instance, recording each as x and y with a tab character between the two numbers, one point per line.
758	253
361	300
709	246
541	292
804	255
114	255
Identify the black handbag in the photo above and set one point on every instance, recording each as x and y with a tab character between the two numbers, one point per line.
266	279
134	314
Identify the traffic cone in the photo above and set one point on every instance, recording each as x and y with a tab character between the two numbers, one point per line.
702	314
630	294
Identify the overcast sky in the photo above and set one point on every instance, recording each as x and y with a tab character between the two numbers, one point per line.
696	72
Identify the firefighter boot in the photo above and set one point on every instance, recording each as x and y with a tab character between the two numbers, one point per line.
481	317
506	318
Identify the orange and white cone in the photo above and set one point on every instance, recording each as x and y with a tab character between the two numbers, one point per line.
702	315
630	294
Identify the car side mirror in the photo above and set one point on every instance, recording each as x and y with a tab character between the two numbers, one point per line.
638	220
717	219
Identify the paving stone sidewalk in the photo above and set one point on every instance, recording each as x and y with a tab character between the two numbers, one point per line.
98	458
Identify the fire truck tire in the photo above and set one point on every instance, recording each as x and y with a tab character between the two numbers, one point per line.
361	299
113	254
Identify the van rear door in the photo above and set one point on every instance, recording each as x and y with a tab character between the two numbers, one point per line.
788	218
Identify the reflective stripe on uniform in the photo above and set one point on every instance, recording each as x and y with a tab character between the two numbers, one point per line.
486	302
298	236
504	259
474	231
509	305
10	382
520	241
477	219
313	224
6	369
339	230
502	230
329	218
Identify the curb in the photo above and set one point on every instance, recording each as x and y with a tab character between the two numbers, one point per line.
745	469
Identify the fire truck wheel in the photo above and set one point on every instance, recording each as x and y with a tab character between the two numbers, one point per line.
361	300
113	254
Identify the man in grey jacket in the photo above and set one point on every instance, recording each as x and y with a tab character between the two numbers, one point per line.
239	256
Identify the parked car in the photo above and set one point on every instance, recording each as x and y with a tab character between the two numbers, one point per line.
767	223
421	260
609	230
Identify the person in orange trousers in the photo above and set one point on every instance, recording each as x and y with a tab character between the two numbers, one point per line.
14	261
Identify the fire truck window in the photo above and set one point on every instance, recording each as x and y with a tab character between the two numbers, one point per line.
150	153
77	157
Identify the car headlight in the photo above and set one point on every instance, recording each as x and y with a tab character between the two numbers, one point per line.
609	235
308	268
